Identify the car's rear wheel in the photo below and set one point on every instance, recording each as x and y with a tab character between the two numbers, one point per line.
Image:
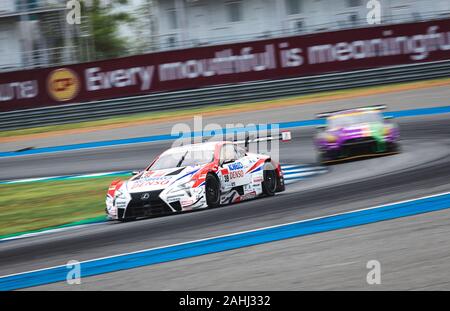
212	191
394	147
269	184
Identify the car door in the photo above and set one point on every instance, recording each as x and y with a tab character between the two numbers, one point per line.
233	167
247	163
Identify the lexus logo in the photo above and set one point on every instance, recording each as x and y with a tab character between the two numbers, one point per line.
145	196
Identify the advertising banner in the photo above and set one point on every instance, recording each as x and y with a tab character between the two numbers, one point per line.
286	57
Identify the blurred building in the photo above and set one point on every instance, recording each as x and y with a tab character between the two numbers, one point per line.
34	33
200	22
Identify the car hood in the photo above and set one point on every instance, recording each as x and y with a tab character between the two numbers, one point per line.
358	131
160	179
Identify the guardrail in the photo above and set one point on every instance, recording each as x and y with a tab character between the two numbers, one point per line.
219	95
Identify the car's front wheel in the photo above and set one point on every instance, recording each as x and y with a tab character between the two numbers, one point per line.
128	219
212	189
324	158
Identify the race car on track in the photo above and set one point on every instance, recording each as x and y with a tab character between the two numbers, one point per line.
353	133
193	177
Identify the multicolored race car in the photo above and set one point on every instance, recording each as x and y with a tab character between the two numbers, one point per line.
193	177
353	133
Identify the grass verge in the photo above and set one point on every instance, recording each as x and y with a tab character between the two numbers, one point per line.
37	205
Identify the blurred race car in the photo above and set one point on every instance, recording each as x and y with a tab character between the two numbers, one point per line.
193	177
358	132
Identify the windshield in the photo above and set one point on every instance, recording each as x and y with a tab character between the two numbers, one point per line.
183	157
350	119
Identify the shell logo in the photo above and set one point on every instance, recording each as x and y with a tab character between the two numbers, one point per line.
63	84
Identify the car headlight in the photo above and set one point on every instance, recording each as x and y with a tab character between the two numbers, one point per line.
120	195
331	138
185	186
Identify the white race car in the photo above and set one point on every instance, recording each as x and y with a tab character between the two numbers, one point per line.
192	177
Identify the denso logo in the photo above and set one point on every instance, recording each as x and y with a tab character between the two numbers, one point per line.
236	166
236	174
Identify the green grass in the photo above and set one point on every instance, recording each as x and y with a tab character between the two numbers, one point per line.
36	205
161	115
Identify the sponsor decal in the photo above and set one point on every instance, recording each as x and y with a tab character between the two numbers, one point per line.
155	174
236	174
121	204
257	179
235	166
226	178
63	84
286	136
148	183
156	178
248	188
186	202
152	176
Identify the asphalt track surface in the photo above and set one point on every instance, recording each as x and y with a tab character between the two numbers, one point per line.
422	168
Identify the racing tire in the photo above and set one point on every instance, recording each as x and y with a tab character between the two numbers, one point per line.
280	184
212	191
323	159
128	219
269	184
395	147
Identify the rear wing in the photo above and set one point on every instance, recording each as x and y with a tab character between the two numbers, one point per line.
328	114
284	136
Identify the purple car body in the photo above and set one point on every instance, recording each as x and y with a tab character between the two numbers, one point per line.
356	132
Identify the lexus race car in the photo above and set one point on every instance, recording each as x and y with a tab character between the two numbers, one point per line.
358	132
193	177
